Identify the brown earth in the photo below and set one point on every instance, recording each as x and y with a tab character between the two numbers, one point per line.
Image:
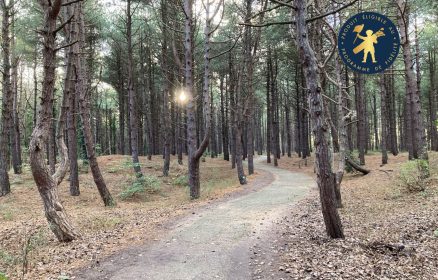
104	230
390	233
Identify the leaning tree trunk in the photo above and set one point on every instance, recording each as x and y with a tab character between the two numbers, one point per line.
84	110
55	213
325	176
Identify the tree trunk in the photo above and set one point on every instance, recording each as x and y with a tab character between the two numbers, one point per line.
16	137
196	153
268	109
383	118
166	113
344	116
432	100
70	95
325	176
132	96
417	128
84	109
55	213
7	103
361	117
224	120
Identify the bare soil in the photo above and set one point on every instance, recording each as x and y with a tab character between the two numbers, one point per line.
390	233
28	249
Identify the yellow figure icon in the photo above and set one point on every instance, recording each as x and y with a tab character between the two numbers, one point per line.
368	41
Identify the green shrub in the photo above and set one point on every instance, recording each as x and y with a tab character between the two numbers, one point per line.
141	185
3	276
182	181
412	175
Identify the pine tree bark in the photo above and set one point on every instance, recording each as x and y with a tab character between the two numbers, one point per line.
55	213
383	119
224	120
391	113
268	108
133	123
417	126
166	113
70	95
249	61
325	176
432	100
16	135
361	116
194	153
344	116
7	101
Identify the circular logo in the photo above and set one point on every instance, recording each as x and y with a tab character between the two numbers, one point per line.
368	43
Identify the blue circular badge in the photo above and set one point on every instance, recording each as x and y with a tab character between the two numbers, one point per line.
368	43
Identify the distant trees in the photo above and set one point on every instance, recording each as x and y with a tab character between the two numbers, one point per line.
415	125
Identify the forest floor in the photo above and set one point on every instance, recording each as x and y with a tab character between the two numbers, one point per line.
215	242
27	245
390	233
250	232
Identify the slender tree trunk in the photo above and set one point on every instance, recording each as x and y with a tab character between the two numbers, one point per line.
432	100
361	116
7	102
288	130
133	124
249	62
417	128
268	109
85	113
383	119
16	138
344	116
224	120
121	103
325	176
391	112
166	113
196	153
375	125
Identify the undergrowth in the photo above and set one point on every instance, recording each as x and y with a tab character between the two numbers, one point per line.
141	185
411	176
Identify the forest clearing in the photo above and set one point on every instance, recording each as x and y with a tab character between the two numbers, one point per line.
218	139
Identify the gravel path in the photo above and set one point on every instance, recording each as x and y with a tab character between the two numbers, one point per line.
213	243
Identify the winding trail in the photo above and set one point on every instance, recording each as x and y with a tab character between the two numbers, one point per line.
215	243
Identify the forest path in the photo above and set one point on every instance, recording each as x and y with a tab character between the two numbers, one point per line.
215	242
